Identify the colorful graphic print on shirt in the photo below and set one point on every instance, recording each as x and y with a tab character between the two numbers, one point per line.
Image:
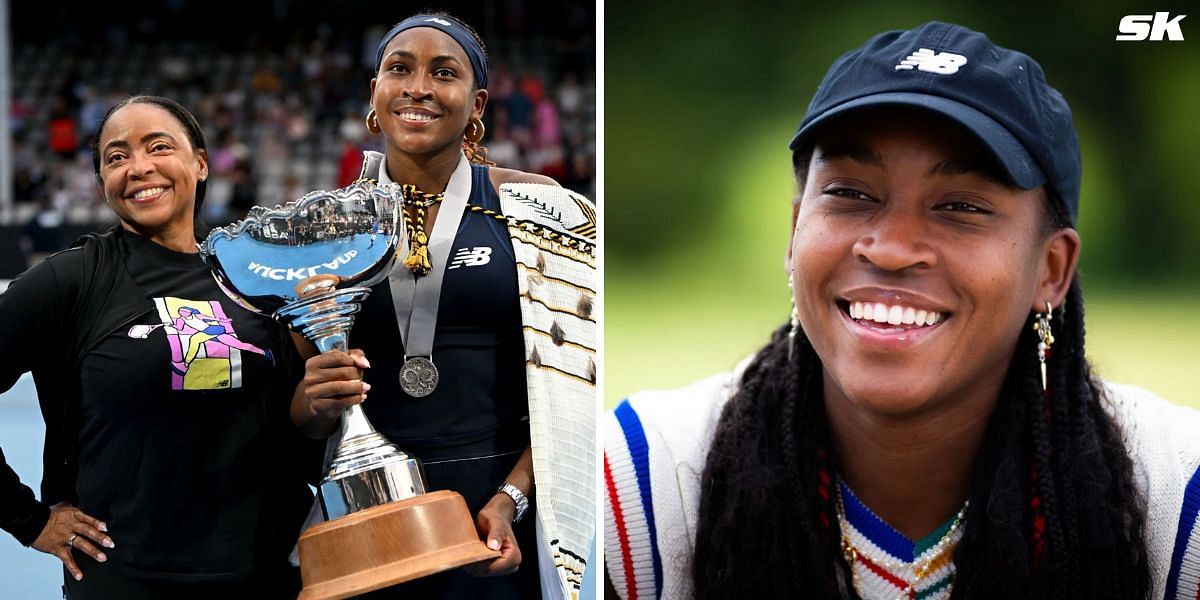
206	353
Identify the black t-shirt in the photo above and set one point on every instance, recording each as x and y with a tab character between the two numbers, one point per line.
184	425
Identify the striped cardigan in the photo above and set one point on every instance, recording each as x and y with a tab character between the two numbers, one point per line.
656	444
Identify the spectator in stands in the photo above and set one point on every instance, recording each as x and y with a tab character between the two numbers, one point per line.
245	191
350	163
19	112
501	84
91	112
570	95
62	131
547	130
29	176
265	81
501	147
520	114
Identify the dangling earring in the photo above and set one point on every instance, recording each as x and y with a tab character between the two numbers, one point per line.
373	122
795	318
1041	325
474	132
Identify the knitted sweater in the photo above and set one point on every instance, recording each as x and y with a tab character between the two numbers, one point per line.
656	444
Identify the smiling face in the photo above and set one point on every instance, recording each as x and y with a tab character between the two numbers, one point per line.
149	170
914	267
424	93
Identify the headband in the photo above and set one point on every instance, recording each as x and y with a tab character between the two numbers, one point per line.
450	27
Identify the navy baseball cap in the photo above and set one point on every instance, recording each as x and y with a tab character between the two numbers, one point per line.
999	95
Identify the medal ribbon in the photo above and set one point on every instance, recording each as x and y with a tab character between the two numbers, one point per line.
414	297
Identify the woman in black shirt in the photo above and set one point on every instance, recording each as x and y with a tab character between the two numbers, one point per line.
171	463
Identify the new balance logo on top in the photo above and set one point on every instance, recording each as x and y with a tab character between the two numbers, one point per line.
471	257
1136	28
442	22
942	63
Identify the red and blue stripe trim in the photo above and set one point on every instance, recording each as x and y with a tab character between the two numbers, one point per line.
639	455
1185	582
875	529
627	482
622	533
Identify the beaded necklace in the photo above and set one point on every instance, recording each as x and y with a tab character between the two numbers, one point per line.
875	557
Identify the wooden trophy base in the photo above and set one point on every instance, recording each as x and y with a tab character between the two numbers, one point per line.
388	544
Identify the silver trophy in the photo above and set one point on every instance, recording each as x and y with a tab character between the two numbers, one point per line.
310	264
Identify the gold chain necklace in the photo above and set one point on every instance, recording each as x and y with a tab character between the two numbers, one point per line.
852	553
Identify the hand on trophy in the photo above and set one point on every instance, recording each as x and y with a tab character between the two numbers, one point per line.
69	528
332	382
494	523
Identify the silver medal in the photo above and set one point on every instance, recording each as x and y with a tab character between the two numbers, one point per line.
418	376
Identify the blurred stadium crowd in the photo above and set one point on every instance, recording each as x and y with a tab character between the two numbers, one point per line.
283	112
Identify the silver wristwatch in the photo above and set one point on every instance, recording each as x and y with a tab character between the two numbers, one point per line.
518	498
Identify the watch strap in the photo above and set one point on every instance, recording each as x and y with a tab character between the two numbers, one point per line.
518	498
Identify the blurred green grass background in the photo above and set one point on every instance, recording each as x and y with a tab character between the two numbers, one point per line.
700	102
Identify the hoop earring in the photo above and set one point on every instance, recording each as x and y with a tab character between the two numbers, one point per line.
1041	325
474	132
373	122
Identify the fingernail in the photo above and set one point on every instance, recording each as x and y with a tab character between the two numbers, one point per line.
101	557
366	363
366	387
494	544
108	543
78	576
104	527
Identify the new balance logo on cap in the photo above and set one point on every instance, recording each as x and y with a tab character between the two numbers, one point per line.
471	257
942	63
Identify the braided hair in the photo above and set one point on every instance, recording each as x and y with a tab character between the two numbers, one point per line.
1054	510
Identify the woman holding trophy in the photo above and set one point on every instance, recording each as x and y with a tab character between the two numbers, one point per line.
171	467
483	330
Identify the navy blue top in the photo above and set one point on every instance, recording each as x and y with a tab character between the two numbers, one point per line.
479	407
471	430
